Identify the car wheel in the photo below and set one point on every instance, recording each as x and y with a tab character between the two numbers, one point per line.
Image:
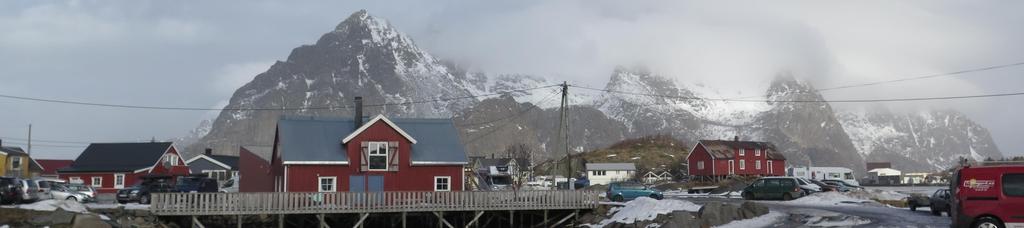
747	196
987	222
144	199
936	212
122	201
72	198
617	199
912	205
653	196
787	197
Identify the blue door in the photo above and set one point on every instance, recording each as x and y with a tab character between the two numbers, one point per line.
375	184
356	183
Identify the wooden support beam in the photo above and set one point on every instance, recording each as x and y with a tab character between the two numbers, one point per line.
403	219
545	222
239	221
280	221
563	220
196	223
441	220
323	223
511	219
362	217
475	218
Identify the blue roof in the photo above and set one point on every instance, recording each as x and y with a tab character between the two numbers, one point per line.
319	139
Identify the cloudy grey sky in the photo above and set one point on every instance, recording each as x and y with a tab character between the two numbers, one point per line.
196	53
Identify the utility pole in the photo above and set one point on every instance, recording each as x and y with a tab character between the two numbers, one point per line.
563	128
29	139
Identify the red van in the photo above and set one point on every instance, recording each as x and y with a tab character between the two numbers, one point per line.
988	196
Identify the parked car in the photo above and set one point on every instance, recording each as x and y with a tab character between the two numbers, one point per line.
82	188
843	184
29	190
44	187
141	192
917	200
784	188
10	190
939	202
808	186
196	183
988	195
824	186
61	191
623	191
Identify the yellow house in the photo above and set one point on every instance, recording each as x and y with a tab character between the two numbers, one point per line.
17	163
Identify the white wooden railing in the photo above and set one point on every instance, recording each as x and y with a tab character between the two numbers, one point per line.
366	202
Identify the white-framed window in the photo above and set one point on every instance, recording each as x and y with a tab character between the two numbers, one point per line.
732	166
757	165
378	156
442	183
97	182
743	152
234	174
757	152
75	180
327	184
171	159
15	162
119	180
743	164
770	168
220	175
700	165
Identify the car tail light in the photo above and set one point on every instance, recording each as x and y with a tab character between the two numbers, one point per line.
797	189
40	190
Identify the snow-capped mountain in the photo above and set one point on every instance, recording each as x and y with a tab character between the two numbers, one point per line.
924	140
365	56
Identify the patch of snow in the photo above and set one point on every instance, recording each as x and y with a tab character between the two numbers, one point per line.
128	206
612	155
52	205
828	199
104	217
760	221
635	158
645	209
823	218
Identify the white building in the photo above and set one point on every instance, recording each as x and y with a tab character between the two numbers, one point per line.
885	176
604	173
823	173
915	178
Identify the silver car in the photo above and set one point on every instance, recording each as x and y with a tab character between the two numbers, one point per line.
44	188
60	191
81	188
30	190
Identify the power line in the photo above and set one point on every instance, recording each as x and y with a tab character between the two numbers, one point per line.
535	105
42	140
954	73
805	101
256	109
499	127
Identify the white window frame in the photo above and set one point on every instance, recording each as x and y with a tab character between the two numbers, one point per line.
732	167
757	164
770	168
119	180
172	159
447	185
234	174
75	180
743	164
219	175
16	159
743	152
94	183
320	184
370	154
700	165
757	152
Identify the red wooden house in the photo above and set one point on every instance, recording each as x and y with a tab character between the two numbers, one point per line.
255	172
112	166
319	155
720	158
50	166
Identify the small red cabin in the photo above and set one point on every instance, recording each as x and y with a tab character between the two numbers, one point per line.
720	158
318	155
109	167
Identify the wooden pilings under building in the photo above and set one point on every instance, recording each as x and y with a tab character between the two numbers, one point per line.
394	209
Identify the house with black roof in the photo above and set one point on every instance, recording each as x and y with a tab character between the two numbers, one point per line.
382	154
112	166
220	167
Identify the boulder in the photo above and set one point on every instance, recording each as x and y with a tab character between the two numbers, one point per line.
89	221
682	219
757	208
58	217
716	213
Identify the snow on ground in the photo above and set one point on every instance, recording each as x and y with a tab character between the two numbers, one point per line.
760	221
52	205
828	199
927	190
684	194
129	206
645	209
879	194
823	218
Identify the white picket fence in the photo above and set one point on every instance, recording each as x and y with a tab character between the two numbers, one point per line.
366	202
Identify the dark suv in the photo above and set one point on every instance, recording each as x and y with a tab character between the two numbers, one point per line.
141	192
10	192
196	183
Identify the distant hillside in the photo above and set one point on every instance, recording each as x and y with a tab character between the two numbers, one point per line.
657	152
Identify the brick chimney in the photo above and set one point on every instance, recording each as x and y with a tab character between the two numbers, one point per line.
358	116
736	138
208	152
